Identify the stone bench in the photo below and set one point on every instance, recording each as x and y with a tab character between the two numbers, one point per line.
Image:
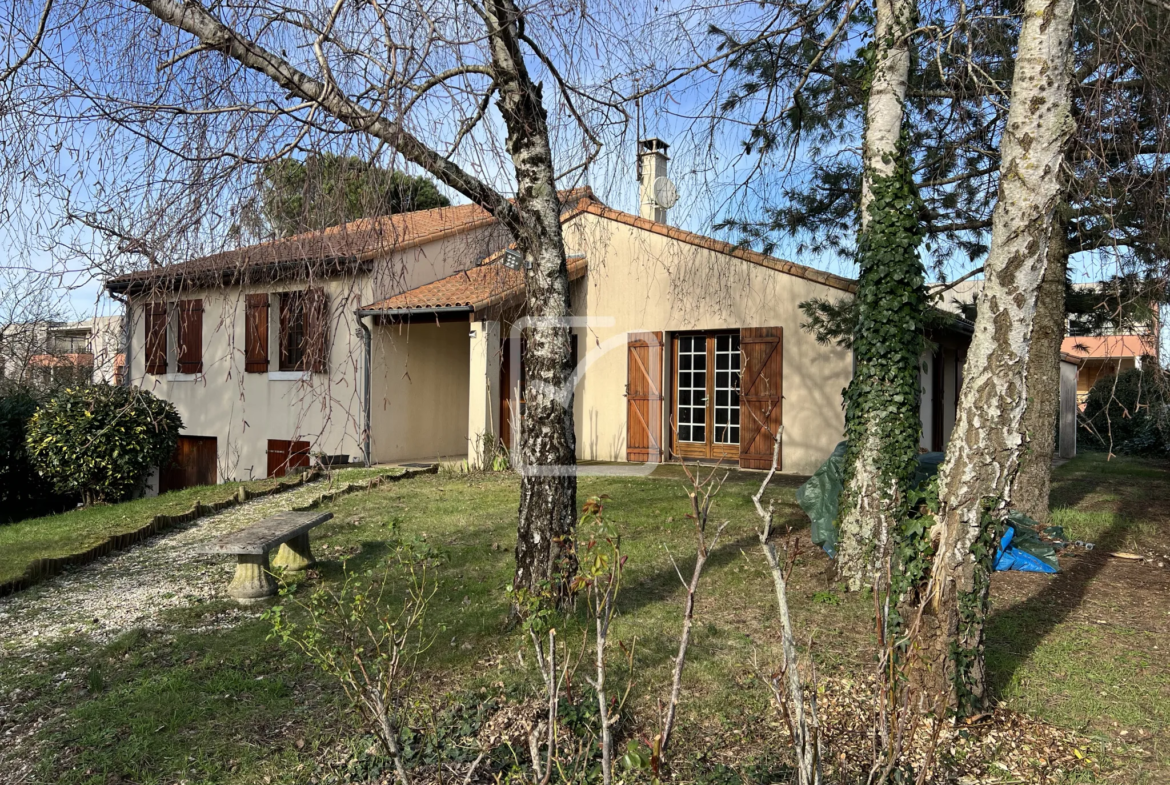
287	531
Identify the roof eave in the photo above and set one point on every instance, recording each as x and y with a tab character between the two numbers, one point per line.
415	311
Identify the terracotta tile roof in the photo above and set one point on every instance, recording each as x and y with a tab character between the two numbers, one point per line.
711	244
488	285
338	246
491	283
1086	347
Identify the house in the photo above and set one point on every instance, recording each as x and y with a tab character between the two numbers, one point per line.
398	339
56	353
1096	343
1108	355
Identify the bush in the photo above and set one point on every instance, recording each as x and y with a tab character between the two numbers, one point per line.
101	441
23	492
1127	413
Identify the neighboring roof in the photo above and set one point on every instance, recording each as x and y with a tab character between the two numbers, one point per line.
486	286
75	360
702	241
1086	347
338	247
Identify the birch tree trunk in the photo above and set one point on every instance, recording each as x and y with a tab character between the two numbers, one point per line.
882	419
977	480
1034	482
887	95
545	560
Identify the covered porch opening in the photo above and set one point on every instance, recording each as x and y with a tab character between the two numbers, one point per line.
419	386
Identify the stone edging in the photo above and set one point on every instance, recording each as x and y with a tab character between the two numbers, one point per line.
43	569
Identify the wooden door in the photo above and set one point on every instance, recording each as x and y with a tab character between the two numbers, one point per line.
644	397
194	463
286	456
705	418
761	395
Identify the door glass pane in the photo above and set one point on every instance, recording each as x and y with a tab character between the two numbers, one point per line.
726	408
691	415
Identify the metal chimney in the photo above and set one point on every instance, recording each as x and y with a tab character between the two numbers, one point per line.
657	193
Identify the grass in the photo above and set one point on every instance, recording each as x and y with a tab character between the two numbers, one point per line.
78	530
1086	649
231	706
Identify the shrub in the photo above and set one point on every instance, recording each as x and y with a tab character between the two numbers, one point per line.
102	441
23	492
1127	413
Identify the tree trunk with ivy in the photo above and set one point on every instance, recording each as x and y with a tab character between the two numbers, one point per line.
978	478
881	403
1034	482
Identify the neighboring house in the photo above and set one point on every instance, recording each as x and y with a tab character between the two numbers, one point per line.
1096	351
61	353
398	338
1107	355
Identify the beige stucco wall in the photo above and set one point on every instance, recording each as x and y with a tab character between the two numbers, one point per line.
244	410
639	281
420	391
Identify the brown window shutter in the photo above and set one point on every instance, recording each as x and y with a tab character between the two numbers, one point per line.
190	343
256	333
644	397
761	395
156	338
316	330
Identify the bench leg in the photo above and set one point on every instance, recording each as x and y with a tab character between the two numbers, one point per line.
295	555
253	580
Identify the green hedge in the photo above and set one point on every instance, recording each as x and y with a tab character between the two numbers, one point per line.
23	492
1128	414
101	441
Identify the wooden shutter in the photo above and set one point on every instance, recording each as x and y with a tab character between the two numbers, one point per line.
761	395
284	455
256	333
190	343
316	329
156	338
644	397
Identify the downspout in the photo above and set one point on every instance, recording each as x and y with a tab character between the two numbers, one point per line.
367	342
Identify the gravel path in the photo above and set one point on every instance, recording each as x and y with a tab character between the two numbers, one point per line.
131	588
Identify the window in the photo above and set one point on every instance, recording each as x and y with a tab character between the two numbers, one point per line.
692	389
292	331
302	330
706	395
727	360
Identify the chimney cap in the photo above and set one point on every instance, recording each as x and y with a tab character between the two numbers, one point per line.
652	145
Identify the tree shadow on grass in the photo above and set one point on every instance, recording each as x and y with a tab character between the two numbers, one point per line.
1015	632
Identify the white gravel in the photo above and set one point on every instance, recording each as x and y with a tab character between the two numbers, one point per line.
131	588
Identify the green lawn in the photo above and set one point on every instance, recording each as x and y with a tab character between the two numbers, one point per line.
79	530
232	706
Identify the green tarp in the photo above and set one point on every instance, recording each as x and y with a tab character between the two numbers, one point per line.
818	497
